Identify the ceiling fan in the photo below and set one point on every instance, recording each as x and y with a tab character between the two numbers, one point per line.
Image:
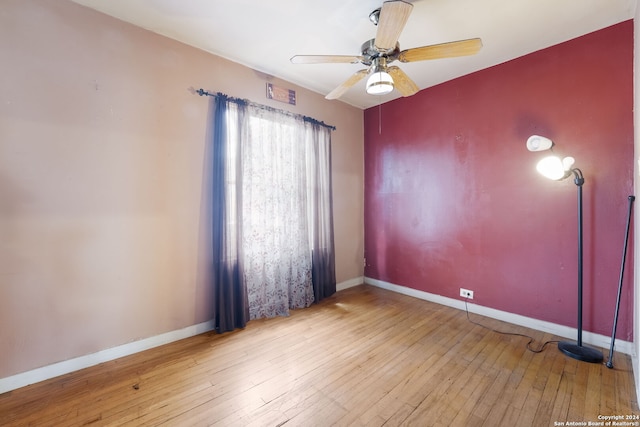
378	53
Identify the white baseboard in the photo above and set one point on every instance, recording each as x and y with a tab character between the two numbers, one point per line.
61	368
597	340
71	365
350	283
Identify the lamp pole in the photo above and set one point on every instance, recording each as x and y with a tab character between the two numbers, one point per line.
554	168
577	351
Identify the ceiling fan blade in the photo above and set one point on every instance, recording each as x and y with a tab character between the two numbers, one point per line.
340	90
393	17
402	82
443	50
326	59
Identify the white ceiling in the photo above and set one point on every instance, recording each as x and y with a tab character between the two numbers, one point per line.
265	34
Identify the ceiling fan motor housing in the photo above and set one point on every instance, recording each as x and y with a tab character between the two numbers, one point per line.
371	52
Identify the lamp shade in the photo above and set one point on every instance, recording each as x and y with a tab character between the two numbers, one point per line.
379	83
538	143
567	163
551	167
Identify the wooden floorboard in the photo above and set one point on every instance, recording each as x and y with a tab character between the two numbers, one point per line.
365	356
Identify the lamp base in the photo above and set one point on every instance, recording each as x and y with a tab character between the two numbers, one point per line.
584	354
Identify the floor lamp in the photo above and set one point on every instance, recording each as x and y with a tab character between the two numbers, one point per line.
554	168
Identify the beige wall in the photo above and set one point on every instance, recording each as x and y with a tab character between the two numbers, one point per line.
102	205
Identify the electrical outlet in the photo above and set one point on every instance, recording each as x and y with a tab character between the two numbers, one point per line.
466	293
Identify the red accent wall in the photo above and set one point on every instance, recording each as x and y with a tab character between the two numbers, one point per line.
452	197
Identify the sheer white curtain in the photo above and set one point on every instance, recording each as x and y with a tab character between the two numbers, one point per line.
277	264
284	191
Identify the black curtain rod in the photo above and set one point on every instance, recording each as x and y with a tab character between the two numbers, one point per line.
203	92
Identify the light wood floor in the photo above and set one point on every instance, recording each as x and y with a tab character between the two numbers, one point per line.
365	356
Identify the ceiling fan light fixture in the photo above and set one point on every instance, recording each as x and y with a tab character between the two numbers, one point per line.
379	83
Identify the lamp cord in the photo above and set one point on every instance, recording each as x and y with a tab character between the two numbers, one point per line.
531	340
